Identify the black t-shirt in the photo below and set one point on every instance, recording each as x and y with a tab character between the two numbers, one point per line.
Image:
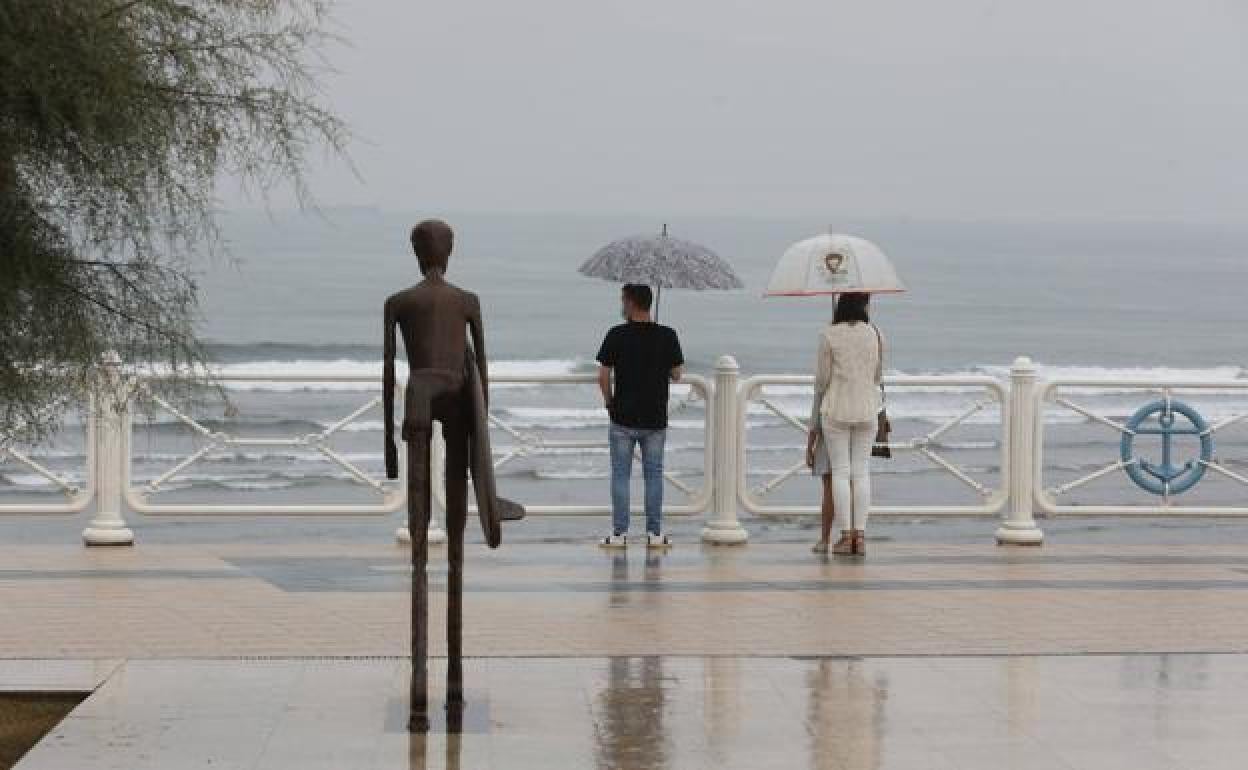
642	355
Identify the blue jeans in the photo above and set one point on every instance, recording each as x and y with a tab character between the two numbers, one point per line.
622	441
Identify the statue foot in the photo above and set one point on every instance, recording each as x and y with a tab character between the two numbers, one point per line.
455	716
418	723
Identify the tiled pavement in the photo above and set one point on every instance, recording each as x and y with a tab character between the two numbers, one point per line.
203	601
924	657
1146	712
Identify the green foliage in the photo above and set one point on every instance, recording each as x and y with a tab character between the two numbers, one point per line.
117	118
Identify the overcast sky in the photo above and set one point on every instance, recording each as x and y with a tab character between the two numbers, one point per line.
968	109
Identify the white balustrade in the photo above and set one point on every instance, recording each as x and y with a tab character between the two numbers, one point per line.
391	494
1019	525
1027	408
527	443
990	394
1071	396
722	527
112	416
75	497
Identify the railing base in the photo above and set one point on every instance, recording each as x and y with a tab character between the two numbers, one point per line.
107	536
725	535
1007	535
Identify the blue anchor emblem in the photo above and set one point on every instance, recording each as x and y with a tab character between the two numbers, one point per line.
1166	478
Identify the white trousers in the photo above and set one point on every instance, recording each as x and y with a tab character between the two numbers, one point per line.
849	450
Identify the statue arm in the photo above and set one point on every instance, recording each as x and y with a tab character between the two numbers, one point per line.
477	329
387	392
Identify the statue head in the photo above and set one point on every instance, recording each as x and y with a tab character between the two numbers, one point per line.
432	240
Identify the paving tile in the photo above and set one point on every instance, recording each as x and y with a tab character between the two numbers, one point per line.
635	713
968	656
560	599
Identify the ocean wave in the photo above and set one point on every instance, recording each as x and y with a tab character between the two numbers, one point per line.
368	372
256	486
884	469
1130	373
294	426
594	451
928	404
1001	372
370	369
1055	470
945	445
589	474
570	474
18	479
282	352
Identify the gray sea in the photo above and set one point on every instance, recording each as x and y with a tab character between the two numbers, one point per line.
303	294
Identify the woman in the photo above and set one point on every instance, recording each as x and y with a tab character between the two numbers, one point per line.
847	402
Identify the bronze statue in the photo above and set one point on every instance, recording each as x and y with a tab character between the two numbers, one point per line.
448	381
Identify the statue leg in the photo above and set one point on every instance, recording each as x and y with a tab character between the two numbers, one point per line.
418	503
456	434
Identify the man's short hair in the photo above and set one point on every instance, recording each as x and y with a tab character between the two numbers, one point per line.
640	295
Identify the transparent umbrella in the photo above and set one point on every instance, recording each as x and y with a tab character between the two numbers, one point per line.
833	264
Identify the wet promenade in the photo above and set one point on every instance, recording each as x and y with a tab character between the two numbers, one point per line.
923	655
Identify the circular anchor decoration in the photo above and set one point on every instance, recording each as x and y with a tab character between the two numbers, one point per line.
1166	478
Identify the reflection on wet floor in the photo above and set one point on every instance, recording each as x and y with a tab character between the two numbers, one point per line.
631	732
621	588
652	713
452	750
846	715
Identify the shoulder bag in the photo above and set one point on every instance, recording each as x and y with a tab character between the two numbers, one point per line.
883	427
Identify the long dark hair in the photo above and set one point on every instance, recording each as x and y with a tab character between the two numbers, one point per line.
851	307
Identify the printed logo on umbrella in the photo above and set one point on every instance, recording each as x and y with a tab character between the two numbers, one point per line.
835	267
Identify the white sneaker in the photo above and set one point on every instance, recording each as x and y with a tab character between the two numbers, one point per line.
658	541
614	541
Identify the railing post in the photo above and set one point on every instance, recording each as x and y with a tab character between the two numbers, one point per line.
1018	527
112	415
437	455
722	526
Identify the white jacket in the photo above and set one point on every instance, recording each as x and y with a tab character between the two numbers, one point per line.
847	374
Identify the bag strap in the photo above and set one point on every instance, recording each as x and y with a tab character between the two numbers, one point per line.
879	361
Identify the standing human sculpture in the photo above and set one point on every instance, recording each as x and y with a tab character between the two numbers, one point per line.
448	381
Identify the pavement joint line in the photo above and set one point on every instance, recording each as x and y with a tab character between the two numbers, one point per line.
649	655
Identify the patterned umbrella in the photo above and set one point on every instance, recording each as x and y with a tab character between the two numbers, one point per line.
663	262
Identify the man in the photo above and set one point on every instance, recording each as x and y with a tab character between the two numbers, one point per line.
642	358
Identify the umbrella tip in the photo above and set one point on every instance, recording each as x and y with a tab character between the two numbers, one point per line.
664	229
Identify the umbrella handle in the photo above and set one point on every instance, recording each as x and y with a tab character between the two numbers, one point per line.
658	295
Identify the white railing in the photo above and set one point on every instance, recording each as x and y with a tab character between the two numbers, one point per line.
1070	396
524	442
75	496
986	393
391	494
1026	412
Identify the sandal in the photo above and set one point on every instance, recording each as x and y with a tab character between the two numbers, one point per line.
820	547
846	543
860	542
